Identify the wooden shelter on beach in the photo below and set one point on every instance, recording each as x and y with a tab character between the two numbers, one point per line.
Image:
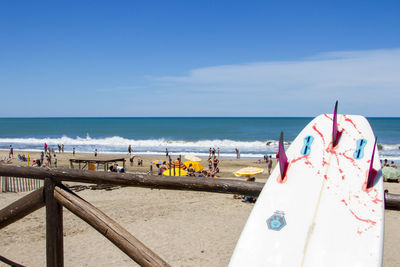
90	163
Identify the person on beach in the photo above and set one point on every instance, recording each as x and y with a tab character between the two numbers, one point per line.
95	152
45	147
62	148
129	149
73	151
11	153
215	163
237	153
269	164
210	162
55	161
213	152
191	170
386	163
218	151
48	160
42	157
163	167
393	165
59	148
131	158
209	152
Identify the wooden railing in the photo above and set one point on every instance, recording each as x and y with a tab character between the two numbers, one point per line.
54	195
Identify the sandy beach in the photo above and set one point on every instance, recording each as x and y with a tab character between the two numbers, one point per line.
185	228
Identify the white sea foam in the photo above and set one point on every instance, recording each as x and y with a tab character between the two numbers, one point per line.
117	144
120	142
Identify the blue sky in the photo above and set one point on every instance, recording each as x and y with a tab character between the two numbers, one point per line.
199	58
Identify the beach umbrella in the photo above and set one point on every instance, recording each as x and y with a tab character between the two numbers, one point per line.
391	173
157	162
249	171
176	164
174	172
195	164
192	158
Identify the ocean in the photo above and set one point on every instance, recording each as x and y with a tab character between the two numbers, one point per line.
254	137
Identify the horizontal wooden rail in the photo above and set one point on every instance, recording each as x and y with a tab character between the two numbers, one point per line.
21	207
228	186
109	228
137	180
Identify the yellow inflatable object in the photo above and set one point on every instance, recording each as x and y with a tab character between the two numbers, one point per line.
174	172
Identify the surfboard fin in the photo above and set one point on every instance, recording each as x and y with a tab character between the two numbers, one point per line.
283	163
335	132
372	171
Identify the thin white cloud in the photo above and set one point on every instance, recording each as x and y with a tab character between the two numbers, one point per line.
357	68
359	78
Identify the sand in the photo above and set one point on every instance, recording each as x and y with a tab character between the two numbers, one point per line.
185	228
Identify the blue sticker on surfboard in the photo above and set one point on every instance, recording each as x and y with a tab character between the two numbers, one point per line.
359	152
306	149
277	221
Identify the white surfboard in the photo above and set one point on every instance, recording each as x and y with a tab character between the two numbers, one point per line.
321	214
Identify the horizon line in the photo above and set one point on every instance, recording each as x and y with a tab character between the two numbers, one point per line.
187	117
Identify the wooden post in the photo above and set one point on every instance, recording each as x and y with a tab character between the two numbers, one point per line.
21	208
170	167
180	165
54	227
135	249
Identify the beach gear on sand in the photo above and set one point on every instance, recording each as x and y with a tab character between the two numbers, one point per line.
195	164
249	171
327	210
391	173
157	162
174	172
192	158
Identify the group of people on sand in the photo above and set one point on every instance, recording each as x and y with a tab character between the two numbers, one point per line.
386	164
116	168
60	148
46	160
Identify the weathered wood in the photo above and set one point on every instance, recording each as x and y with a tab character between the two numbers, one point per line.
21	208
10	262
152	181
392	201
54	227
138	180
109	228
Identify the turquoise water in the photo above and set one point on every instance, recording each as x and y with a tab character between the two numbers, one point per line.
179	135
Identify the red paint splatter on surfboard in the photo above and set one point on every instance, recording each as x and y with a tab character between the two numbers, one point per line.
352	123
326	115
363	220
